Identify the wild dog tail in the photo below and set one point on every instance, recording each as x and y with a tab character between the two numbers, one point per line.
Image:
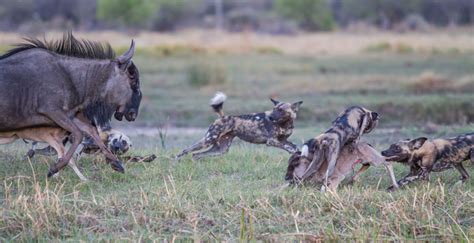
217	103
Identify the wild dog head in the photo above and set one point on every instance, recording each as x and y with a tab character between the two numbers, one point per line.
369	121
284	112
297	164
403	150
118	142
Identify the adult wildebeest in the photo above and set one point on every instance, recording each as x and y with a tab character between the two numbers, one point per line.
54	83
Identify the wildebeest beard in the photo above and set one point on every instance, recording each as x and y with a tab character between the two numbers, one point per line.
100	113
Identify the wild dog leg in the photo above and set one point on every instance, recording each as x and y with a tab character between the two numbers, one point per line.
92	132
201	144
285	145
62	120
464	174
333	154
472	155
221	147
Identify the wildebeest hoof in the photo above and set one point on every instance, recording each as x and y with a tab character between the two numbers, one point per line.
30	153
323	188
392	188
117	166
52	171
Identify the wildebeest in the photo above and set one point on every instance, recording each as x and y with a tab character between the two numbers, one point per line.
424	155
272	128
346	129
53	83
349	157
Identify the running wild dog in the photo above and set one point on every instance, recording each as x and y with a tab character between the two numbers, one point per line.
270	127
346	130
349	157
424	155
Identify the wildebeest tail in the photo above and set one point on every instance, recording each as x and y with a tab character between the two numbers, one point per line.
217	103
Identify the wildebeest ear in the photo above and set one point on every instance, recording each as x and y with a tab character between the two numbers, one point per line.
125	59
417	142
296	106
275	102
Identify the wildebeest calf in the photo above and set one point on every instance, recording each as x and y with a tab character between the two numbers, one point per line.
346	129
270	127
349	157
424	155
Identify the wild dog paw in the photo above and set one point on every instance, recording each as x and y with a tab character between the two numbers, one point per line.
323	188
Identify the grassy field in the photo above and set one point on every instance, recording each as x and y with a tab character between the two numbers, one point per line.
421	84
236	196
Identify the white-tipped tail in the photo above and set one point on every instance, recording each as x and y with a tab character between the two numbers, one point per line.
217	103
218	98
305	151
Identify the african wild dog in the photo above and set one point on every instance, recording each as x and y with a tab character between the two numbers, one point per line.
270	127
346	130
424	156
361	153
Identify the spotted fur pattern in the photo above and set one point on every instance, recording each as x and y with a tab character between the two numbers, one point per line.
272	128
346	130
424	156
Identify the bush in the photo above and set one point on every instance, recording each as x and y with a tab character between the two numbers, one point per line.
311	15
128	12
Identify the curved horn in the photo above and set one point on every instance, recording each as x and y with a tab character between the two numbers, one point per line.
275	102
127	56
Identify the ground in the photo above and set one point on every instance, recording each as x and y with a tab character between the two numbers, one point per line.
240	195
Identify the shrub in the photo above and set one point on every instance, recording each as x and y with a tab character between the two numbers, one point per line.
312	15
128	12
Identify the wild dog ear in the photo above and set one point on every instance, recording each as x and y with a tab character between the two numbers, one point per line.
296	106
417	142
375	116
125	59
275	102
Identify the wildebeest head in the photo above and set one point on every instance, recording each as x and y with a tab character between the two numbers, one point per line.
123	87
284	112
297	165
403	150
118	142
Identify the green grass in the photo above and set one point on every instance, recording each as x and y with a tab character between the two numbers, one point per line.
235	196
326	84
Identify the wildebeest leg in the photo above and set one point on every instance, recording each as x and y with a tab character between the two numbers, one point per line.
47	151
285	145
92	132
355	178
220	147
201	144
389	168
464	174
62	120
59	147
414	175
472	155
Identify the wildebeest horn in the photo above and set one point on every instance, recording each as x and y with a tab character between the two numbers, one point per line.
127	56
275	102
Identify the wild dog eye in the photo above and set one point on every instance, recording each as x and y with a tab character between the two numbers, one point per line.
124	142
114	141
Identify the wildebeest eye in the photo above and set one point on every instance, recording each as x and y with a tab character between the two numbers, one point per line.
114	141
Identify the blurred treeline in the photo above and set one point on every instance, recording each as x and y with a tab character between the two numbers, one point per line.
269	16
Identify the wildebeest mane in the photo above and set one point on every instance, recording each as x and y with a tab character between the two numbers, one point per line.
68	45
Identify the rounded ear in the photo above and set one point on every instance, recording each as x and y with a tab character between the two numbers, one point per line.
417	142
125	59
375	115
275	102
296	106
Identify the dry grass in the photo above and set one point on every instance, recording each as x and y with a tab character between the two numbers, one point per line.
335	43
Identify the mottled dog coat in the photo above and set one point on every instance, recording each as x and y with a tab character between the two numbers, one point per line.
270	127
349	157
346	129
424	156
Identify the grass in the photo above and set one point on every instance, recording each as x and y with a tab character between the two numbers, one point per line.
236	196
421	84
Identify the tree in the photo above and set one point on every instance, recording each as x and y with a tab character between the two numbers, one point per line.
310	14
